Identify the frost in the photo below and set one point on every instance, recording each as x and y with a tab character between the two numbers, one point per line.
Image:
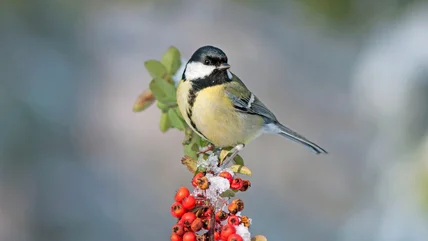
243	232
211	164
217	186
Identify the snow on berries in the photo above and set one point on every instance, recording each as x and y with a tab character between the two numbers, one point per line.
209	210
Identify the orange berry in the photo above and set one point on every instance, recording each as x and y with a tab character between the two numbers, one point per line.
189	202
188	218
178	229
245	221
240	204
182	193
226	175
233	208
199	175
176	237
177	210
203	183
220	216
189	236
235	237
226	231
217	235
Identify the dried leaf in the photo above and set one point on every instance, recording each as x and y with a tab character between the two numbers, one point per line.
144	100
241	170
190	163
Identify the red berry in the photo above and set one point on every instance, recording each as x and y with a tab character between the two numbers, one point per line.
176	237
220	216
235	237
226	175
208	212
177	210
233	208
188	218
199	175
196	225
233	220
189	202
182	193
217	235
178	229
189	236
236	183
226	231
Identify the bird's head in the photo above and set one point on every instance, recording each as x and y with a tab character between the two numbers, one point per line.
207	62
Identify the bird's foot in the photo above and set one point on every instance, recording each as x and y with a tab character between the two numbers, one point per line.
233	153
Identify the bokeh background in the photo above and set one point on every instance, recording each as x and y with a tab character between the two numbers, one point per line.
76	164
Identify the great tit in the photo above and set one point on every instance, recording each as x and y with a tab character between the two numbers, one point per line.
218	106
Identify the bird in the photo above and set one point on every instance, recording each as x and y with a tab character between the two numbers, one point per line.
218	106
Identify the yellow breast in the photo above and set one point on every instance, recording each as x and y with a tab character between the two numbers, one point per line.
215	118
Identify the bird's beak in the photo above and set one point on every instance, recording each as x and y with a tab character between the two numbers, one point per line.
224	66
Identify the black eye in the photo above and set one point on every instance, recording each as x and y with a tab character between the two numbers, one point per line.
207	62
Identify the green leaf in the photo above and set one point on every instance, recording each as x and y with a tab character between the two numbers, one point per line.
238	160
164	122
204	142
155	68
166	87
189	152
228	193
162	106
175	119
157	91
171	60
160	94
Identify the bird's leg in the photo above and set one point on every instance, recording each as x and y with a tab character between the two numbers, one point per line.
234	152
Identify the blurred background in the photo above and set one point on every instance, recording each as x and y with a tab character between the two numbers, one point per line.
76	164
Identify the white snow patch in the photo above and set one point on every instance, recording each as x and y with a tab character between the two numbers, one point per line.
211	164
243	232
217	186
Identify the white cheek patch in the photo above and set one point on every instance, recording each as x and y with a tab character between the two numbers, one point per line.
196	70
229	74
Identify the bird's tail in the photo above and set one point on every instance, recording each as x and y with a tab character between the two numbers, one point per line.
294	136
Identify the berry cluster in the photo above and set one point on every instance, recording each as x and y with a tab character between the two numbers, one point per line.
205	212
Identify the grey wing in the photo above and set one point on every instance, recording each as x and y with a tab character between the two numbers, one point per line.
251	105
